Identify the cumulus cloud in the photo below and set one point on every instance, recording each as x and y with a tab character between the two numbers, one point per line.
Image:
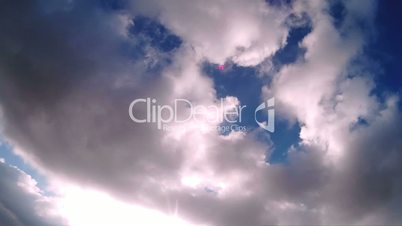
80	127
22	202
244	31
337	110
65	91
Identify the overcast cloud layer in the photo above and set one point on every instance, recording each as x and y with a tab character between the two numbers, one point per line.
69	70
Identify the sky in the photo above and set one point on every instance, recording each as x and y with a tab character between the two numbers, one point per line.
201	112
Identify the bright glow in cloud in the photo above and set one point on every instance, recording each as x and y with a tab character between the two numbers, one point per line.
84	207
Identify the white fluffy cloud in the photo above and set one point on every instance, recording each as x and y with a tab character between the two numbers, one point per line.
244	31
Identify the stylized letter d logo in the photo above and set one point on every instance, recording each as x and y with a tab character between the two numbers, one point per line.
270	124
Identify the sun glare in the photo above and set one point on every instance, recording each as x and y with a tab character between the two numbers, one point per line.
91	208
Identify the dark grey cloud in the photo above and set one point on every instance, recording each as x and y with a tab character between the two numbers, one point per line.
370	178
65	91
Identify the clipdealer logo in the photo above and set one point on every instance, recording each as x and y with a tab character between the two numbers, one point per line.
268	125
162	115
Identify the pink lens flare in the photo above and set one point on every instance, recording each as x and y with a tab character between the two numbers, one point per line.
221	67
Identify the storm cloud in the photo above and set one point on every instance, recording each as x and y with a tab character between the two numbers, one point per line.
70	69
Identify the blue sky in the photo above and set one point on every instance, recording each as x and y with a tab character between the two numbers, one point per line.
386	46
